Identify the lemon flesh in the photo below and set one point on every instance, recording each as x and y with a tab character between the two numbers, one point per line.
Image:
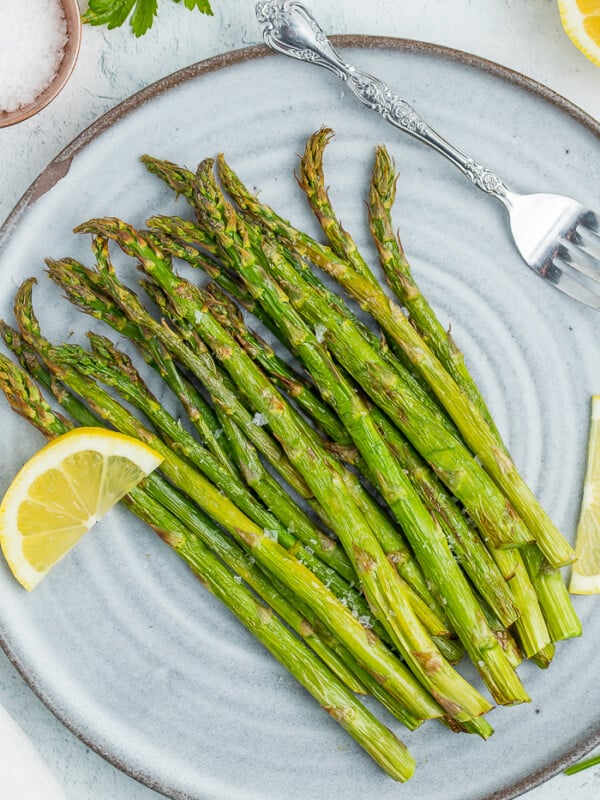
585	575
62	491
581	21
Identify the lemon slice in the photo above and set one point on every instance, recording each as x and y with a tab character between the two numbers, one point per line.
581	21
62	491
585	575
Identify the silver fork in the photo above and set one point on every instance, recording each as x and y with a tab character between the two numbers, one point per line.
555	235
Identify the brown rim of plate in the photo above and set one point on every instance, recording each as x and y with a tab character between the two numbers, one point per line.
59	167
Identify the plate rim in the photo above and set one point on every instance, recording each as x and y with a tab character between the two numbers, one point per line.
59	166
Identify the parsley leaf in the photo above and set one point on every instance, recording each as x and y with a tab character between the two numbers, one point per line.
141	13
143	16
201	5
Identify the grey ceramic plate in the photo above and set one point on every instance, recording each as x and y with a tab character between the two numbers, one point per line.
120	641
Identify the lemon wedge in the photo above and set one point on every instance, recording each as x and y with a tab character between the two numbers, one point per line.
581	21
62	491
585	575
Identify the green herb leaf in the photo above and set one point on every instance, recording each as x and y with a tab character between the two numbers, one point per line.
143	16
113	13
202	6
591	762
108	12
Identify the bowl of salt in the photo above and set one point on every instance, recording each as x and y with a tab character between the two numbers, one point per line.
39	44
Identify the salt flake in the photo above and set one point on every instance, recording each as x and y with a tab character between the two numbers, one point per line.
320	331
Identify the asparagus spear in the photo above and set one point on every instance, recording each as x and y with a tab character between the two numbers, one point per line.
313	186
530	626
327	689
507	641
543	658
399	274
180	179
368	650
383	588
556	605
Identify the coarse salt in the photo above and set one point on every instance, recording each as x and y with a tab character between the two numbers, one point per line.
320	331
33	35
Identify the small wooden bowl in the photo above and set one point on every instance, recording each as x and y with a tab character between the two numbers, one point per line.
73	20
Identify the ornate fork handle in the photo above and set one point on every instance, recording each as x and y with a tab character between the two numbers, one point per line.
288	28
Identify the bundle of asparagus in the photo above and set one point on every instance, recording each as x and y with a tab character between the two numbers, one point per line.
361	489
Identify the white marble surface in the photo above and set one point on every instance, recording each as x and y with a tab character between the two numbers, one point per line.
522	34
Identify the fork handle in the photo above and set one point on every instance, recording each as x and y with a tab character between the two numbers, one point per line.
289	28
